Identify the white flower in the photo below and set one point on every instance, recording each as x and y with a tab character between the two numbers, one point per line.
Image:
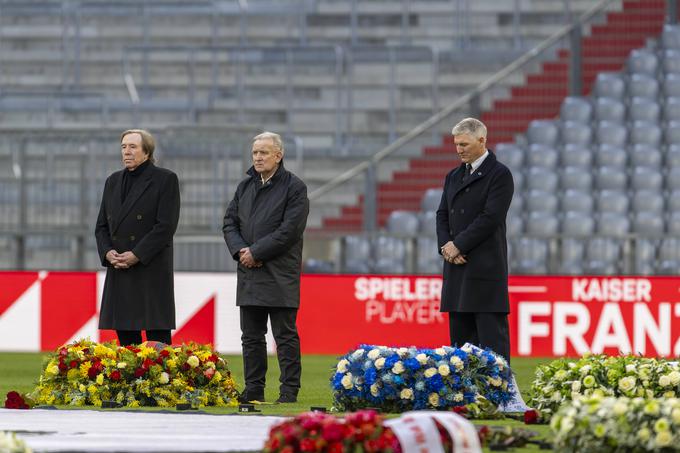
430	372
403	352
433	399
121	365
164	378
585	369
663	439
406	394
347	381
576	386
627	384
620	408
501	362
421	358
440	351
496	382
342	365
458	397
644	434
444	369
561	375
457	363
398	368
466	347
380	363
675	415
556	397
669	394
675	377
375	390
661	424
193	361
357	354
664	381
589	381
374	354
630	368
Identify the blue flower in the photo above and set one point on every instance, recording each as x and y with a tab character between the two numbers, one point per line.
420	386
398	380
370	376
412	364
435	383
337	381
391	360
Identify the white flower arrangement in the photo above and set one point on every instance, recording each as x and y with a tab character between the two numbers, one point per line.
563	380
612	425
10	443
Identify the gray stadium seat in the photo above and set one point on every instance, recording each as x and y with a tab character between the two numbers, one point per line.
608	109
576	133
645	257
673	179
515	225
543	224
643	61
611	178
578	224
643	85
610	85
673	201
670	37
644	156
542	156
611	156
530	256
648	201
518	179
671	109
672	132
572	252
543	132
670	61
356	256
642	109
576	200
671	85
645	133
314	266
576	156
610	133
403	223
539	178
428	259
668	262
431	199
673	225
538	200
613	224
648	225
646	178
602	257
612	201
427	223
389	255
672	158
576	178
510	154
576	109
517	203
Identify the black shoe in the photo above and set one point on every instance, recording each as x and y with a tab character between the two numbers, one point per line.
287	398
247	397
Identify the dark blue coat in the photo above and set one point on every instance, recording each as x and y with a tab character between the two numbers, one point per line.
472	214
270	219
141	297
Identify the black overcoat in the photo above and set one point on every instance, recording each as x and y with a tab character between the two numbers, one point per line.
472	214
270	219
141	297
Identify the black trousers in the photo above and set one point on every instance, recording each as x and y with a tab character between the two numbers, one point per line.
486	330
127	337
253	330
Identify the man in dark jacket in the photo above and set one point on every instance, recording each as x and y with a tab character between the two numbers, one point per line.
136	223
471	236
263	229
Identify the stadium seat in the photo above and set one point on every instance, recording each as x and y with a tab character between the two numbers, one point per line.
611	178
670	37
576	109
673	225
611	156
644	156
671	109
611	133
670	85
577	224
403	223
428	259
646	178
608	109
530	256
514	225
647	224
613	224
576	133
356	255
612	201
510	154
389	255
517	203
539	178
670	61
542	156
645	133
572	252
576	178
673	179
427	223
672	158
668	262
643	61
576	156
645	257
543	224
539	200
609	85
602	257
431	199
643	85
642	109
542	132
673	201
577	200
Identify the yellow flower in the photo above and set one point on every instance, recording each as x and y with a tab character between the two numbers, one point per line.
217	377
84	368
92	389
444	370
203	355
430	372
209	365
52	370
421	358
380	363
133	403
662	424
398	368
375	390
406	394
193	361
342	366
82	387
145	352
103	352
121	365
100	379
433	399
164	378
73	374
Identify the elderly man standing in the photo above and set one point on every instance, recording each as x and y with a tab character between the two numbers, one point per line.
471	236
263	229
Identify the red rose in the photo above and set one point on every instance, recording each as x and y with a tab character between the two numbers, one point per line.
115	375
185	367
307	444
92	372
460	410
14	400
139	372
62	366
159	361
164	353
63	352
287	449
531	417
335	447
148	363
333	432
274	443
73	363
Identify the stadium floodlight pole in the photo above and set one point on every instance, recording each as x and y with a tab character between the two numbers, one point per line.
461	102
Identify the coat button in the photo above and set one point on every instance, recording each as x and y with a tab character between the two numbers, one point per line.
462	211
132	238
139	217
453	211
467	189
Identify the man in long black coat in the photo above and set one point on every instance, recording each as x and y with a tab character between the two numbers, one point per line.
263	229
137	220
471	236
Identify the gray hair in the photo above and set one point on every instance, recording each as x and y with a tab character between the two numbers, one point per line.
470	126
274	137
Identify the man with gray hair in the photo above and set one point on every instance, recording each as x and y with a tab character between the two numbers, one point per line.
263	229
471	238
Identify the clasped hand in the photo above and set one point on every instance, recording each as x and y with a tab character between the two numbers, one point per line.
246	258
123	260
452	254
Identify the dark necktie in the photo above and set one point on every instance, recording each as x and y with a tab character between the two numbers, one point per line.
468	170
